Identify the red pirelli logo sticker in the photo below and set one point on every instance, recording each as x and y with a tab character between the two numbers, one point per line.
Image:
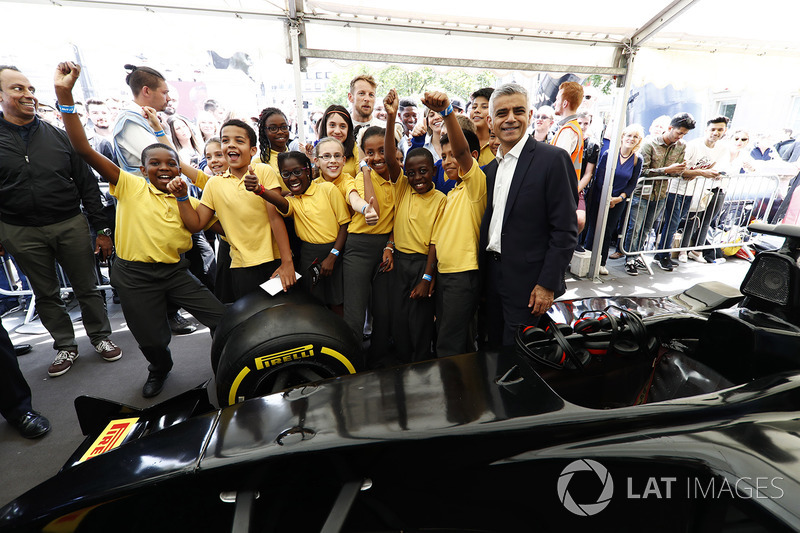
110	438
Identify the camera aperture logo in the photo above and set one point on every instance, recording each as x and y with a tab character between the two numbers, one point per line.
585	509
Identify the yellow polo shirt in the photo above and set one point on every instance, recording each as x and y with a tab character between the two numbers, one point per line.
384	197
273	162
149	226
201	179
416	217
318	213
243	216
344	182
458	230
486	155
351	164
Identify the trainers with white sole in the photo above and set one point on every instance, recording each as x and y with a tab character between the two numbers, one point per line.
63	362
697	256
108	350
682	257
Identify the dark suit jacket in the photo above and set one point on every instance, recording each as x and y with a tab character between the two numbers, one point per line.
540	228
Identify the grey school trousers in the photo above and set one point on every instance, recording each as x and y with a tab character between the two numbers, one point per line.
145	289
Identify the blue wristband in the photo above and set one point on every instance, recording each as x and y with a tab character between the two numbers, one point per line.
67	109
161	133
427	277
364	209
447	111
335	252
182	198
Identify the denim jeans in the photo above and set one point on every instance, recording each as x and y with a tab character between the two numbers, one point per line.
676	209
643	213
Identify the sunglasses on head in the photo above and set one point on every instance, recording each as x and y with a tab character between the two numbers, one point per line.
745	139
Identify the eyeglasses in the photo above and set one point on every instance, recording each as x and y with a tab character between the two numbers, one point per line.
296	172
328	157
275	129
745	139
541	117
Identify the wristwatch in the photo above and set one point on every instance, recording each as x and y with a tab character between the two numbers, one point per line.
106	232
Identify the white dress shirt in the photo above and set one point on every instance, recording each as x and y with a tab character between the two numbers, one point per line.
502	183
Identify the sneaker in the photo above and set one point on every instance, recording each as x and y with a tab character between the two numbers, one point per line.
603	271
640	264
697	256
682	257
630	268
580	249
665	263
180	326
63	362
108	350
719	260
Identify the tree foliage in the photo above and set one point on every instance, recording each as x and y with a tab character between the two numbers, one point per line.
408	83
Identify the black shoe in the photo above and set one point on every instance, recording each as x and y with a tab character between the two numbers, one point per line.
639	262
180	326
114	296
22	349
31	425
154	385
630	268
580	249
665	263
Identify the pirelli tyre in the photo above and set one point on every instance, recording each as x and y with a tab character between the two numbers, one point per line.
248	306
282	347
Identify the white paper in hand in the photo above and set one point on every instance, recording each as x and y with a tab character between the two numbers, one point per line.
273	286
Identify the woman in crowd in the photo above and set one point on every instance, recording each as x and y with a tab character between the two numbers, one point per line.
628	169
208	125
184	140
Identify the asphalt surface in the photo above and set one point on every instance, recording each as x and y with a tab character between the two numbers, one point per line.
26	463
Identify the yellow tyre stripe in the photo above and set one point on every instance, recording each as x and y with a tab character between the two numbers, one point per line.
342	359
235	386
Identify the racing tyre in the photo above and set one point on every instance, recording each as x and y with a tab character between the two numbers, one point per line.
246	307
282	347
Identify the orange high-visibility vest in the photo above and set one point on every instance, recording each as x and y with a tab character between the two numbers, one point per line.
577	153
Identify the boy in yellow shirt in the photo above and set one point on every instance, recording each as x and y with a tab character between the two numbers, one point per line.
418	207
321	217
249	223
150	236
457	233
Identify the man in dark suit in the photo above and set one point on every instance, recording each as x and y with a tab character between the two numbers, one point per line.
529	230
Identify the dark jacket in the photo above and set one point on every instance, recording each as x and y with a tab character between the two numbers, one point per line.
46	181
540	228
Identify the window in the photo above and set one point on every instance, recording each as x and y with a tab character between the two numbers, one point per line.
726	108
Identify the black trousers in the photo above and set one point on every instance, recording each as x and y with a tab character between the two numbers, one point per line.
245	280
145	289
456	297
15	394
413	319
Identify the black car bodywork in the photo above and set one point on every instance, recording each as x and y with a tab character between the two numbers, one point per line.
475	442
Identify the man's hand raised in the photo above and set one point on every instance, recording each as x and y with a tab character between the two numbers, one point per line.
66	75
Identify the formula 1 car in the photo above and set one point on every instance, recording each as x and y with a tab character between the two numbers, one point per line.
622	414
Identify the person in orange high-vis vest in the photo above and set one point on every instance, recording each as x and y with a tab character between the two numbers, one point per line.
569	135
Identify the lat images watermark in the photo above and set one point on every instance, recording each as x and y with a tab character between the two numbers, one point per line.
639	488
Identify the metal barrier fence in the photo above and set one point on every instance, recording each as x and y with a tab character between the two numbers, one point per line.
673	214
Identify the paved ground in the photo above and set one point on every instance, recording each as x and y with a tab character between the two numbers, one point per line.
26	463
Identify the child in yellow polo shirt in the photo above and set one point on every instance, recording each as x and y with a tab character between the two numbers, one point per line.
367	257
150	236
418	207
321	217
249	223
328	158
456	236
